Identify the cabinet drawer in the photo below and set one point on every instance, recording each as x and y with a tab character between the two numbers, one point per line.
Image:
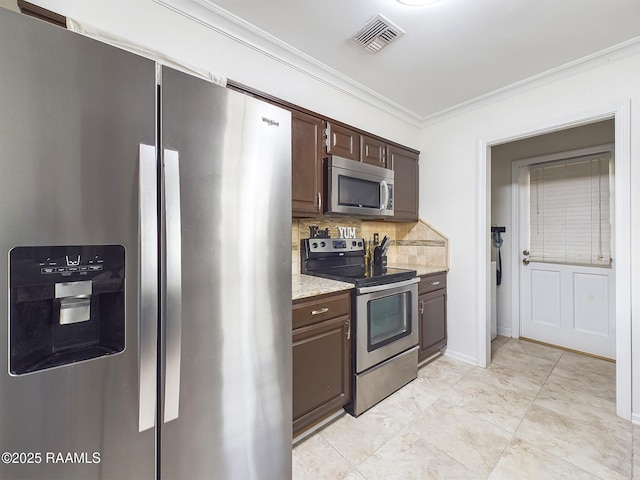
430	283
317	309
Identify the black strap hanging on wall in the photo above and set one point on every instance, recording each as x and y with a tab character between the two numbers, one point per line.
497	242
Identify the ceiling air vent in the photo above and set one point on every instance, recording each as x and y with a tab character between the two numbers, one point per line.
377	33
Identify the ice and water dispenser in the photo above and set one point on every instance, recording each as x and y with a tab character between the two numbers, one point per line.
67	305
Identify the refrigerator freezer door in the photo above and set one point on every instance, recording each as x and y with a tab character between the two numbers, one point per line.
234	421
72	115
148	321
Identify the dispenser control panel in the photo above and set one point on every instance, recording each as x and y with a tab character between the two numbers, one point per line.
31	265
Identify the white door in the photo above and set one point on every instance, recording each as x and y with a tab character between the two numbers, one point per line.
566	278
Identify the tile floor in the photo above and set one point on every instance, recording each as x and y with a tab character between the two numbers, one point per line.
535	413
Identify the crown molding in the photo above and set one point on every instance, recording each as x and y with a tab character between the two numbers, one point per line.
247	34
594	61
250	36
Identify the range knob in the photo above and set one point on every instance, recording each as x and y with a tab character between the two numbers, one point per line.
359	244
314	245
354	243
322	244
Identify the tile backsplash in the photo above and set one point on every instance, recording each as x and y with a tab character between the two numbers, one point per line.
414	243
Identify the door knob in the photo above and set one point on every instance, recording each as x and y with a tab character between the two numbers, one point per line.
525	252
525	261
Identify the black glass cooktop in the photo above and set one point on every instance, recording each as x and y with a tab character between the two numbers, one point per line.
362	277
344	260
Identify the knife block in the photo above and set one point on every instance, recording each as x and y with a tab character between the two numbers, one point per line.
379	261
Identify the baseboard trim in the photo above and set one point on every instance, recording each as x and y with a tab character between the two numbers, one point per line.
461	356
504	331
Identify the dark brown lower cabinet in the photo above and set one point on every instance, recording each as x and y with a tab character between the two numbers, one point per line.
321	358
432	309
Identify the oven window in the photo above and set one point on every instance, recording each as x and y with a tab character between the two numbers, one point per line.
388	318
355	192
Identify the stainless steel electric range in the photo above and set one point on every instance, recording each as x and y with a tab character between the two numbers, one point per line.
385	310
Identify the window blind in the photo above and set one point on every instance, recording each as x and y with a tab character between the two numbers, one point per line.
570	218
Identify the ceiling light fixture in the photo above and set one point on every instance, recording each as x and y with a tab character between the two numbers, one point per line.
417	3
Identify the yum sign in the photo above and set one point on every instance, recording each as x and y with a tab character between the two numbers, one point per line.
347	232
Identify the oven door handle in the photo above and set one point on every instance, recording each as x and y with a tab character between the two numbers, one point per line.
387	286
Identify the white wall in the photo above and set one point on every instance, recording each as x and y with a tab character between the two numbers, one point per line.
10	4
156	27
449	166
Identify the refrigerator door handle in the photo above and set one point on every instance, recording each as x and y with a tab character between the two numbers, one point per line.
173	279
148	301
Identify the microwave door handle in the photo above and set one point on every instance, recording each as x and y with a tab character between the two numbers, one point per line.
385	194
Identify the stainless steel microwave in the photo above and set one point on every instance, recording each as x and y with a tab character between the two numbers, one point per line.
355	188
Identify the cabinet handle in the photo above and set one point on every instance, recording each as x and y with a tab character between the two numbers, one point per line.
434	283
421	306
348	325
320	311
319	201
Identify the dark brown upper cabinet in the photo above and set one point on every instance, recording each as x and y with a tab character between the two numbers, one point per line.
373	151
306	165
404	164
28	8
343	142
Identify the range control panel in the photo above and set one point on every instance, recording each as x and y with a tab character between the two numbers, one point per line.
335	245
38	265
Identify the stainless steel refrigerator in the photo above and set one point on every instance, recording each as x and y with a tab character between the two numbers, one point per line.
145	230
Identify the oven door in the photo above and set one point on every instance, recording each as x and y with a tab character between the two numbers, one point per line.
386	322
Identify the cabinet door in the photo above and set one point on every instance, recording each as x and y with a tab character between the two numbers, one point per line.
306	164
432	308
343	142
373	151
321	371
404	164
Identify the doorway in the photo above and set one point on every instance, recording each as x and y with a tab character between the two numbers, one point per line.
490	197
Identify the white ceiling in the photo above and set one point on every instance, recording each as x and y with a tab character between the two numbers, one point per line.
453	51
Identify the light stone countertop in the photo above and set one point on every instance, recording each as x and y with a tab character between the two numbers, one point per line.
303	286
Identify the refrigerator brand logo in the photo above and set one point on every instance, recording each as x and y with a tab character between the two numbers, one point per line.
269	121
